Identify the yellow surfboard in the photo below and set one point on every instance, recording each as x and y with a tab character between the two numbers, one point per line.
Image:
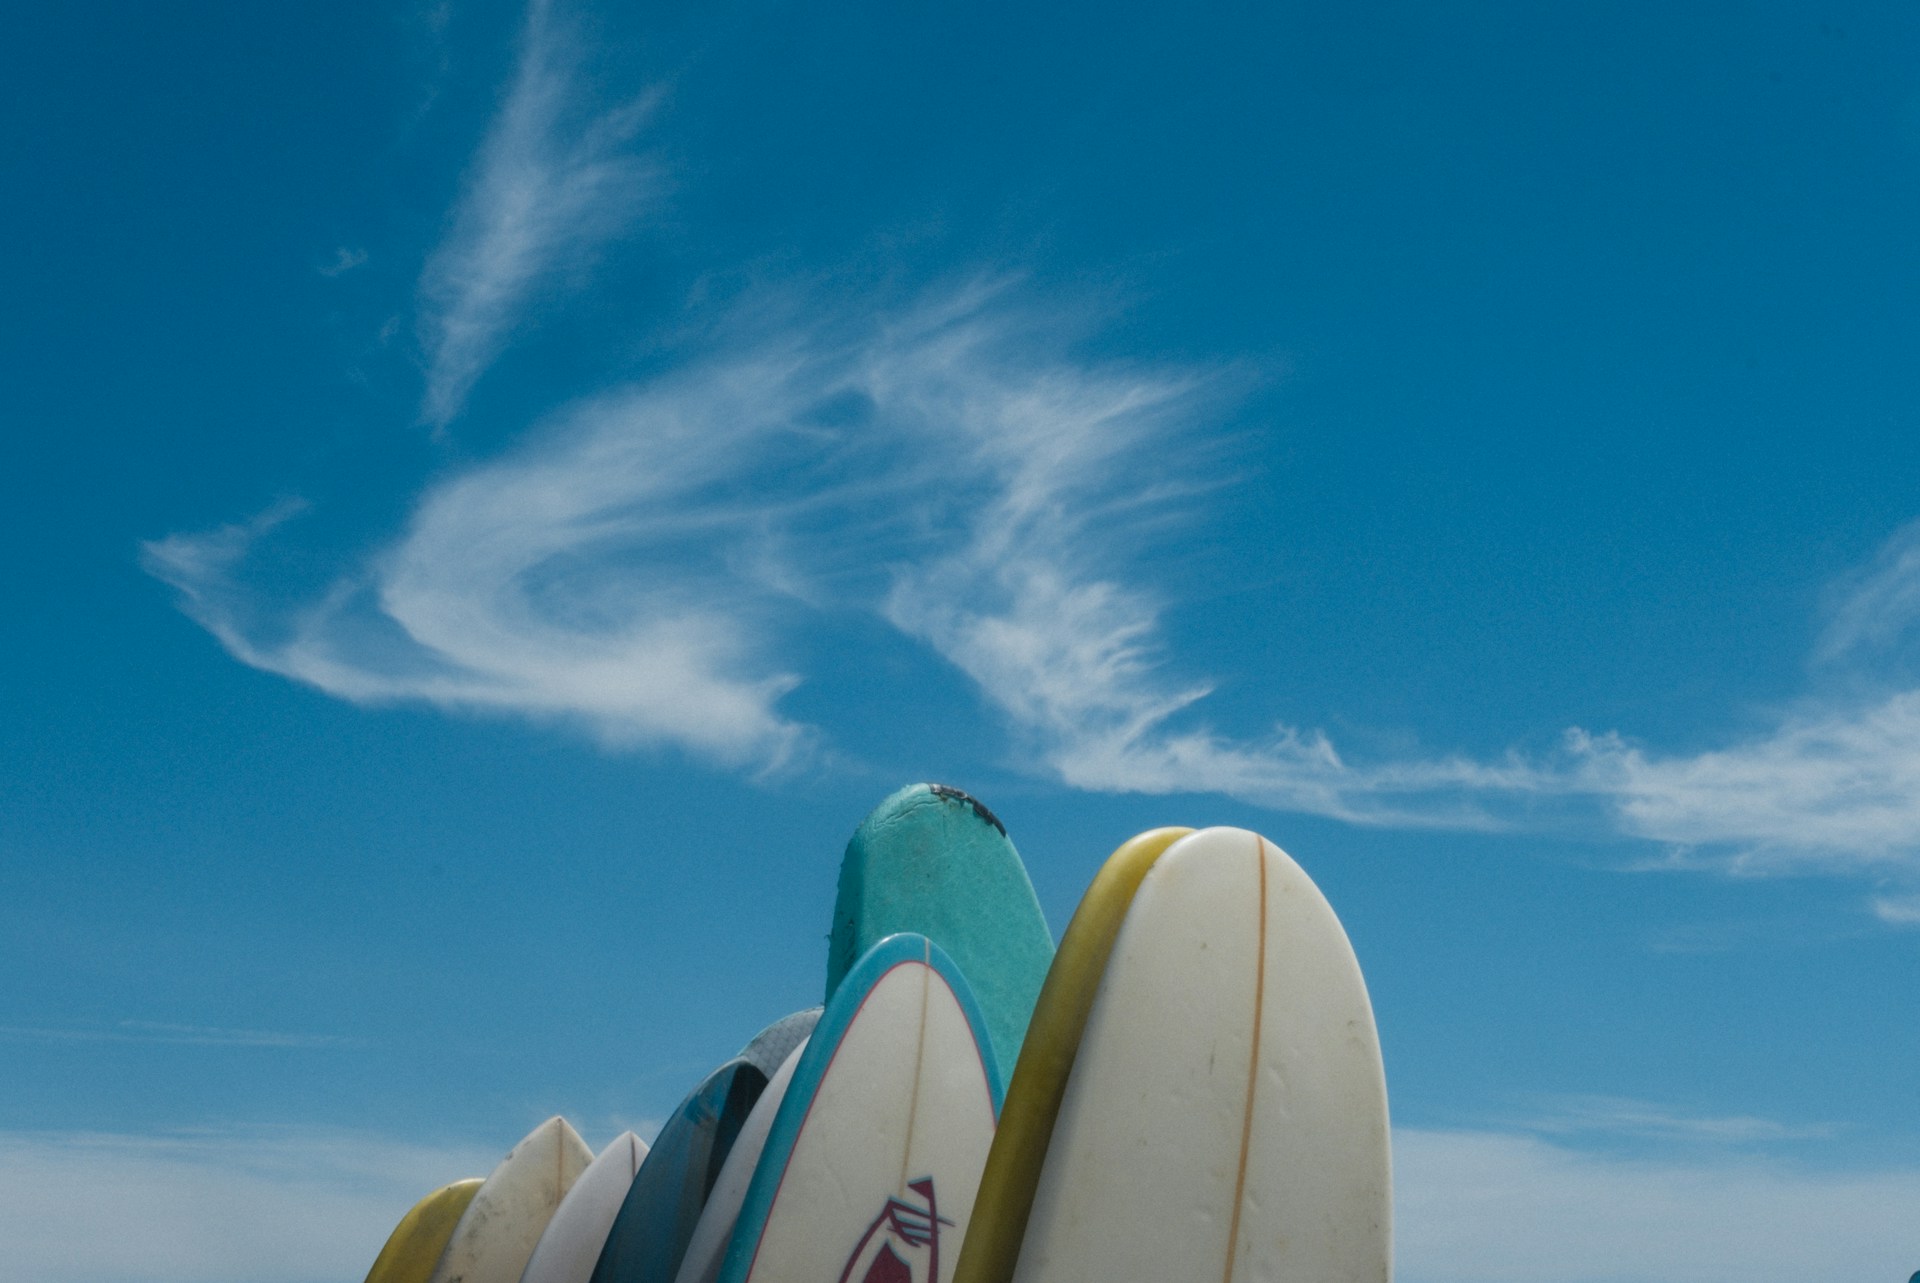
415	1245
999	1223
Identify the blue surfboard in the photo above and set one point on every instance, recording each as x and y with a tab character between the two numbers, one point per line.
933	861
650	1233
874	1158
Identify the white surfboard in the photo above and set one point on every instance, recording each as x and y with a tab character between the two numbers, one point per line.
874	1159
497	1233
708	1246
570	1246
1226	1116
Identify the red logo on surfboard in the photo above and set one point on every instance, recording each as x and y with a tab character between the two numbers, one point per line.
903	1243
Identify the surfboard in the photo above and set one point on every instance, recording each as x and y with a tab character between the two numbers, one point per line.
651	1230
500	1227
570	1247
1206	1015
415	1245
874	1157
708	1246
770	1047
933	861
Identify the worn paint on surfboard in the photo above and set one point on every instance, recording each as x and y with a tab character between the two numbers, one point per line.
654	1224
874	1158
1230	1038
415	1245
570	1247
499	1229
934	861
708	1246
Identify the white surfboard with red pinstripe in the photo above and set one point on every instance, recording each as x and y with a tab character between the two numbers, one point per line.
873	1160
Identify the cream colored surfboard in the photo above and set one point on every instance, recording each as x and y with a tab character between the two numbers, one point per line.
571	1243
415	1245
708	1246
870	1170
1220	1112
500	1228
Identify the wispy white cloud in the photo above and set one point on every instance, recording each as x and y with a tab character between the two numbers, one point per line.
552	182
511	589
1834	787
630	564
1898	910
1646	1120
153	1031
1493	1207
1877	605
345	259
1831	784
637	562
267	1206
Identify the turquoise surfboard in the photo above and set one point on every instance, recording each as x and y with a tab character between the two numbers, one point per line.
933	861
872	1164
651	1231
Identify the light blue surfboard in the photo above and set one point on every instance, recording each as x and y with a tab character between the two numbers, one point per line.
651	1231
933	861
874	1158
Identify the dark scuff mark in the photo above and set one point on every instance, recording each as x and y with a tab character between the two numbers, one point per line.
979	807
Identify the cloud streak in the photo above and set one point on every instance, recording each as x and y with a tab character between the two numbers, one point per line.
640	563
284	1205
153	1031
1645	1120
551	184
623	567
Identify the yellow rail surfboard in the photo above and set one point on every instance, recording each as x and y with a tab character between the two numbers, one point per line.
1222	1114
415	1245
1000	1210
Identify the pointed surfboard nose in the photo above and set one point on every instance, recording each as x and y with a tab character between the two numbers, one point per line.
571	1243
498	1232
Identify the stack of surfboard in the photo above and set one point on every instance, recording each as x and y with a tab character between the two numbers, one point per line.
1189	1089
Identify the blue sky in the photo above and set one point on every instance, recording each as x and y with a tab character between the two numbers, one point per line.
497	493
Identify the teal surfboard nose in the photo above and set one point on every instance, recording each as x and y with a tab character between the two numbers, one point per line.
934	861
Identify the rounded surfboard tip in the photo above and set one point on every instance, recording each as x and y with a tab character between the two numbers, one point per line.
992	1245
1231	995
961	797
415	1245
933	860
